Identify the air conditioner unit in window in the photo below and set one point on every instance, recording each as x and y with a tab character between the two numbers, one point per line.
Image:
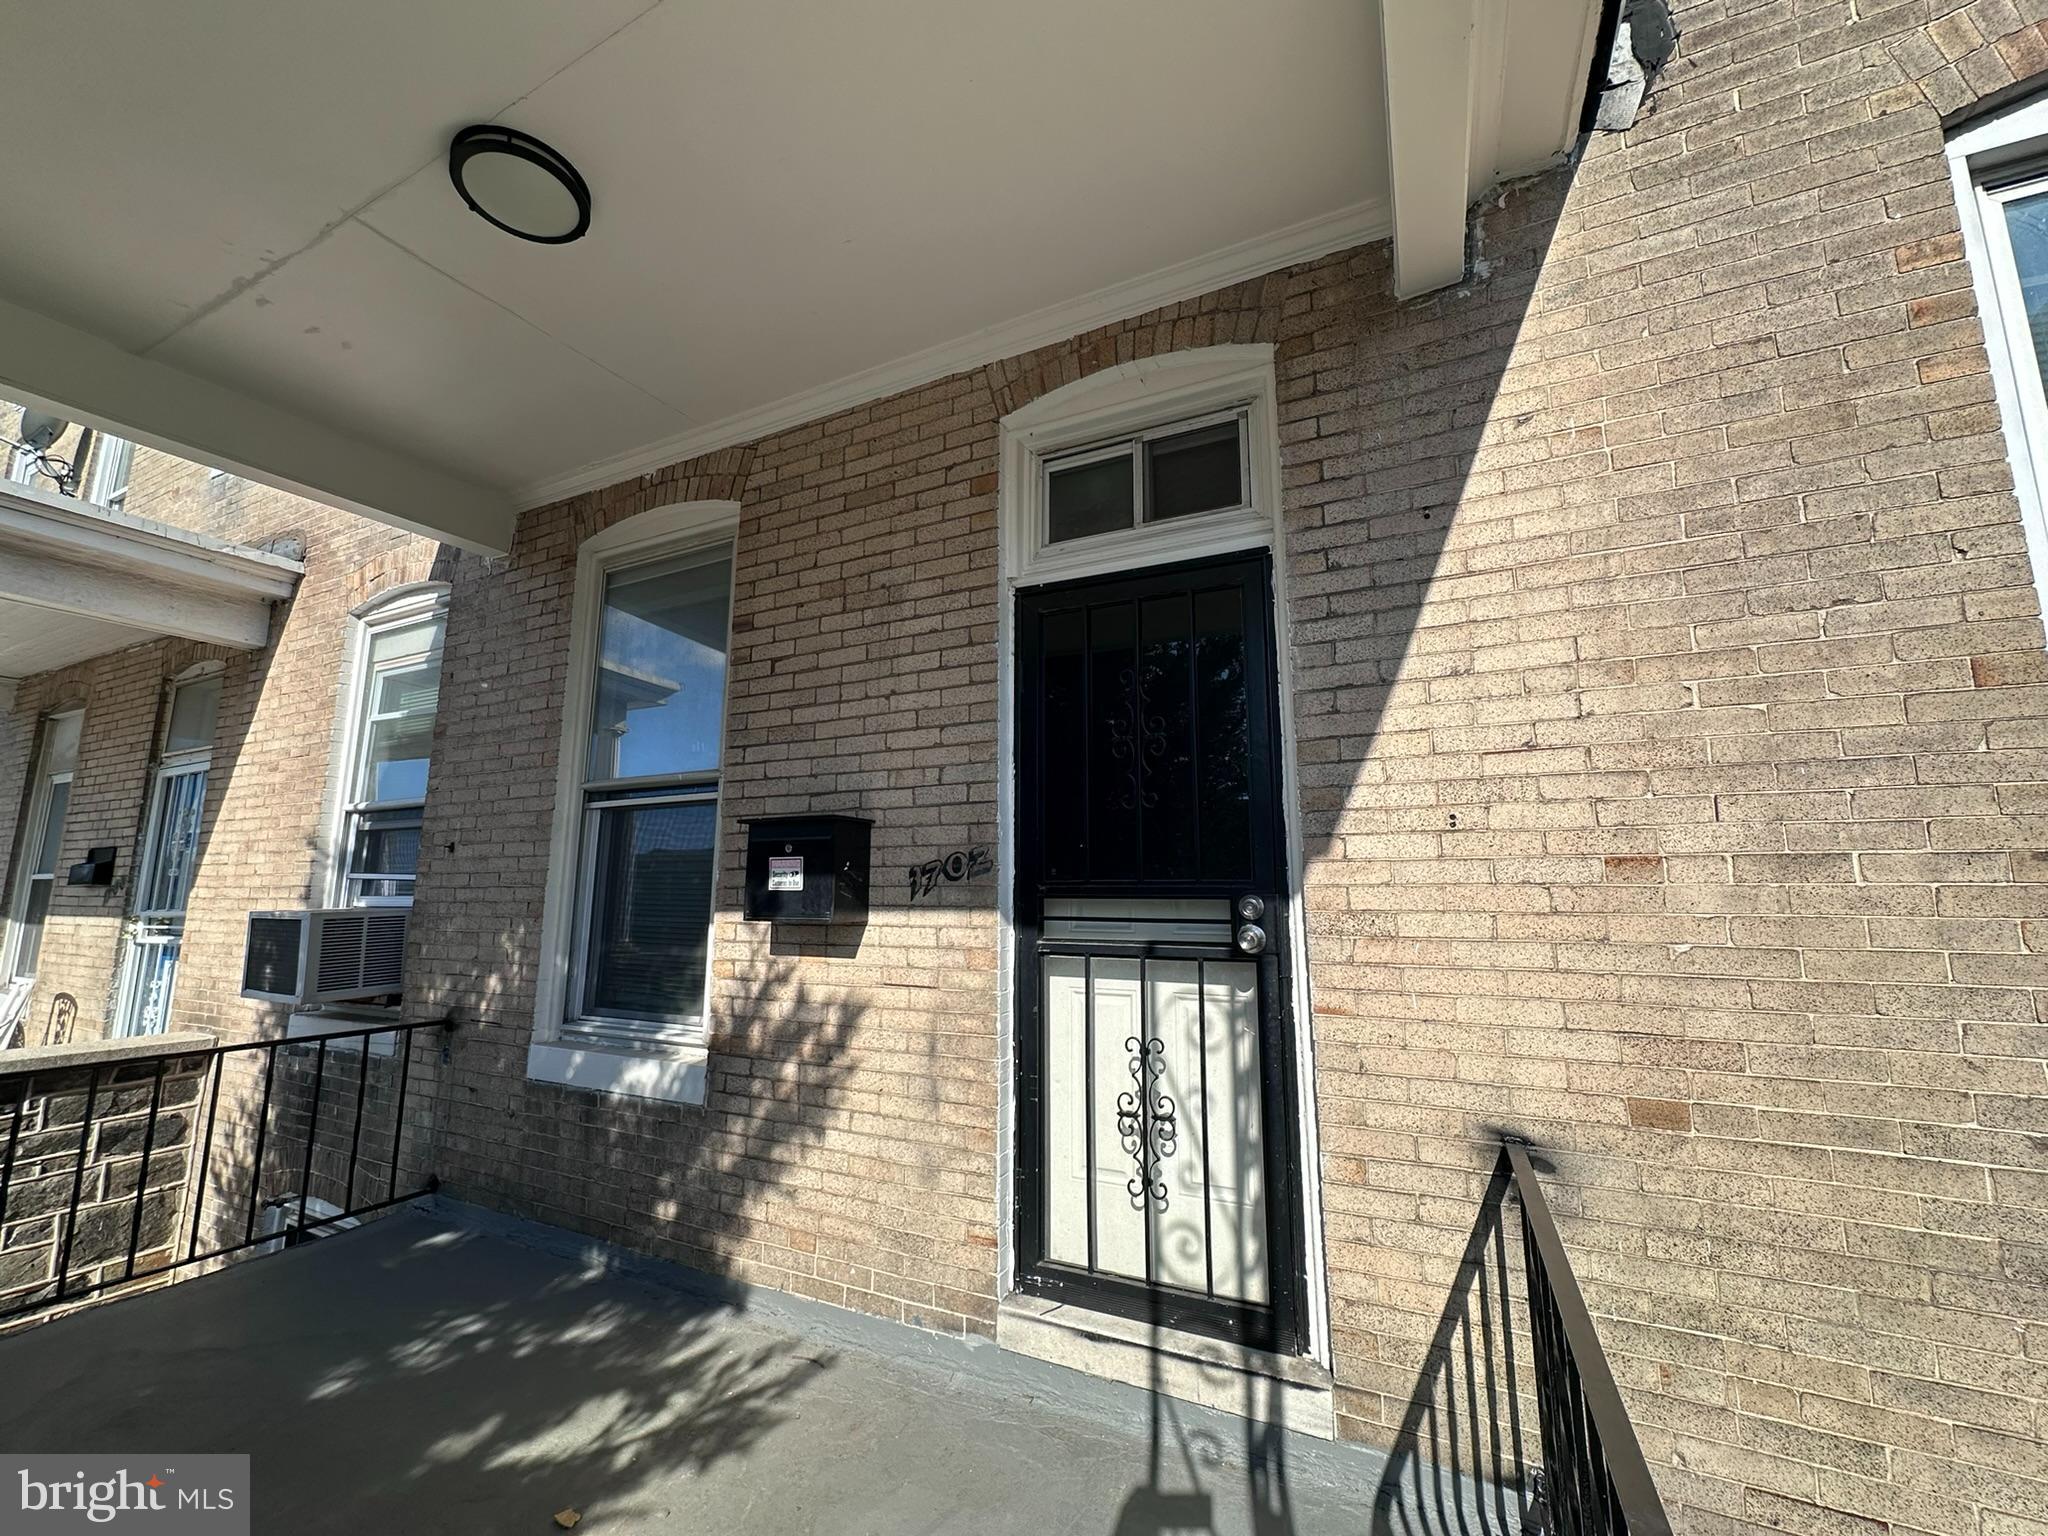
325	955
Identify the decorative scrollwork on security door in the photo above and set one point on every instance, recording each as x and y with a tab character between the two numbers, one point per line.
1150	1133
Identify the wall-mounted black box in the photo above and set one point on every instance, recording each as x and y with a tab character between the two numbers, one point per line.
97	868
807	869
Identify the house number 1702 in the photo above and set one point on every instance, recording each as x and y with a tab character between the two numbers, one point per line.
960	864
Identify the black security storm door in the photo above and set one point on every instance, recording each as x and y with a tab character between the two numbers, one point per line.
1156	1160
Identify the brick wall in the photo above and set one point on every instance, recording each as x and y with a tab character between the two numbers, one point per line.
1678	807
1667	669
1668	677
266	806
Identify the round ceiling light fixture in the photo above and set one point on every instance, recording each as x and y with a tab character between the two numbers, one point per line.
524	187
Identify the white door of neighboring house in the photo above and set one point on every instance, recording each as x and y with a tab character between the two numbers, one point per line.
170	856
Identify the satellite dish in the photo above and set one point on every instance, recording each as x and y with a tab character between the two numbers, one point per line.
39	430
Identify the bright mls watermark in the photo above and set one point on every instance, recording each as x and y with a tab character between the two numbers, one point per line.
171	1495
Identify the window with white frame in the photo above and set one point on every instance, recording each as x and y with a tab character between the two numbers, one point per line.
624	984
647	840
41	843
1999	168
1160	459
1182	470
170	857
395	691
111	465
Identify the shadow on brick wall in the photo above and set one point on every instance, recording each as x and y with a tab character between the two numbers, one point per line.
1458	1465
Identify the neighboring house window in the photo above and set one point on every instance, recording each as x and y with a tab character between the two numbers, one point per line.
1999	169
43	839
170	858
633	868
397	687
110	472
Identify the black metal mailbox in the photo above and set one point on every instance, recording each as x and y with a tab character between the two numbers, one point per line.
807	869
97	868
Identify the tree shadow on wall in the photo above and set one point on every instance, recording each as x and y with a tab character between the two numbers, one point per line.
698	1186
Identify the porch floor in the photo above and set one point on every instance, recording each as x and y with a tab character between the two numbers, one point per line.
426	1375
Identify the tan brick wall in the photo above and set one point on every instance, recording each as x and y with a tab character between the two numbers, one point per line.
1677	807
1668	674
267	789
1669	690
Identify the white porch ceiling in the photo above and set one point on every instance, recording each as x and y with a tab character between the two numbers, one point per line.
797	206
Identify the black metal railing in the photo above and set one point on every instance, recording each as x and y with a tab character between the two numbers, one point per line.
99	1235
1594	1480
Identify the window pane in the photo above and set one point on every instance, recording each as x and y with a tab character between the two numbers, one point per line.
407	642
384	853
194	708
53	828
60	750
661	669
1198	471
154	955
176	849
395	758
650	918
1088	499
37	908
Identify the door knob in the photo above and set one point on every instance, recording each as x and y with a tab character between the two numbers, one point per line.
1251	939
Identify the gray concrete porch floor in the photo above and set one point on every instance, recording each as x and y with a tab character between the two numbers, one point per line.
431	1374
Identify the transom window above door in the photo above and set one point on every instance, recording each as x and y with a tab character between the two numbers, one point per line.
1183	470
1166	458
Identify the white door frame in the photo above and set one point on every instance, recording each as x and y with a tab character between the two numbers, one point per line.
1149	392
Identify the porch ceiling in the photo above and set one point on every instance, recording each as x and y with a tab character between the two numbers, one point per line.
241	241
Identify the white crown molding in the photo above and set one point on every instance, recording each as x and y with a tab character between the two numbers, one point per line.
1360	224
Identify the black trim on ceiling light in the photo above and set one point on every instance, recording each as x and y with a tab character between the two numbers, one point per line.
491	139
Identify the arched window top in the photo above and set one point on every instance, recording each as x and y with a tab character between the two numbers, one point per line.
394	603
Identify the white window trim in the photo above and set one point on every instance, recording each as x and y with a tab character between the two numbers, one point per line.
169	765
34	826
113	465
1131	397
388	610
1177	391
2016	139
678	1073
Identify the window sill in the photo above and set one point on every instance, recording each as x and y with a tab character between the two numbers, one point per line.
675	1077
301	1025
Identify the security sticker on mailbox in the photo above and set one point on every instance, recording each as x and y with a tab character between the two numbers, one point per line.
786	874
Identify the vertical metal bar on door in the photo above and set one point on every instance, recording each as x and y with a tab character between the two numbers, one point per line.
1202	1045
1088	1090
1145	1117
